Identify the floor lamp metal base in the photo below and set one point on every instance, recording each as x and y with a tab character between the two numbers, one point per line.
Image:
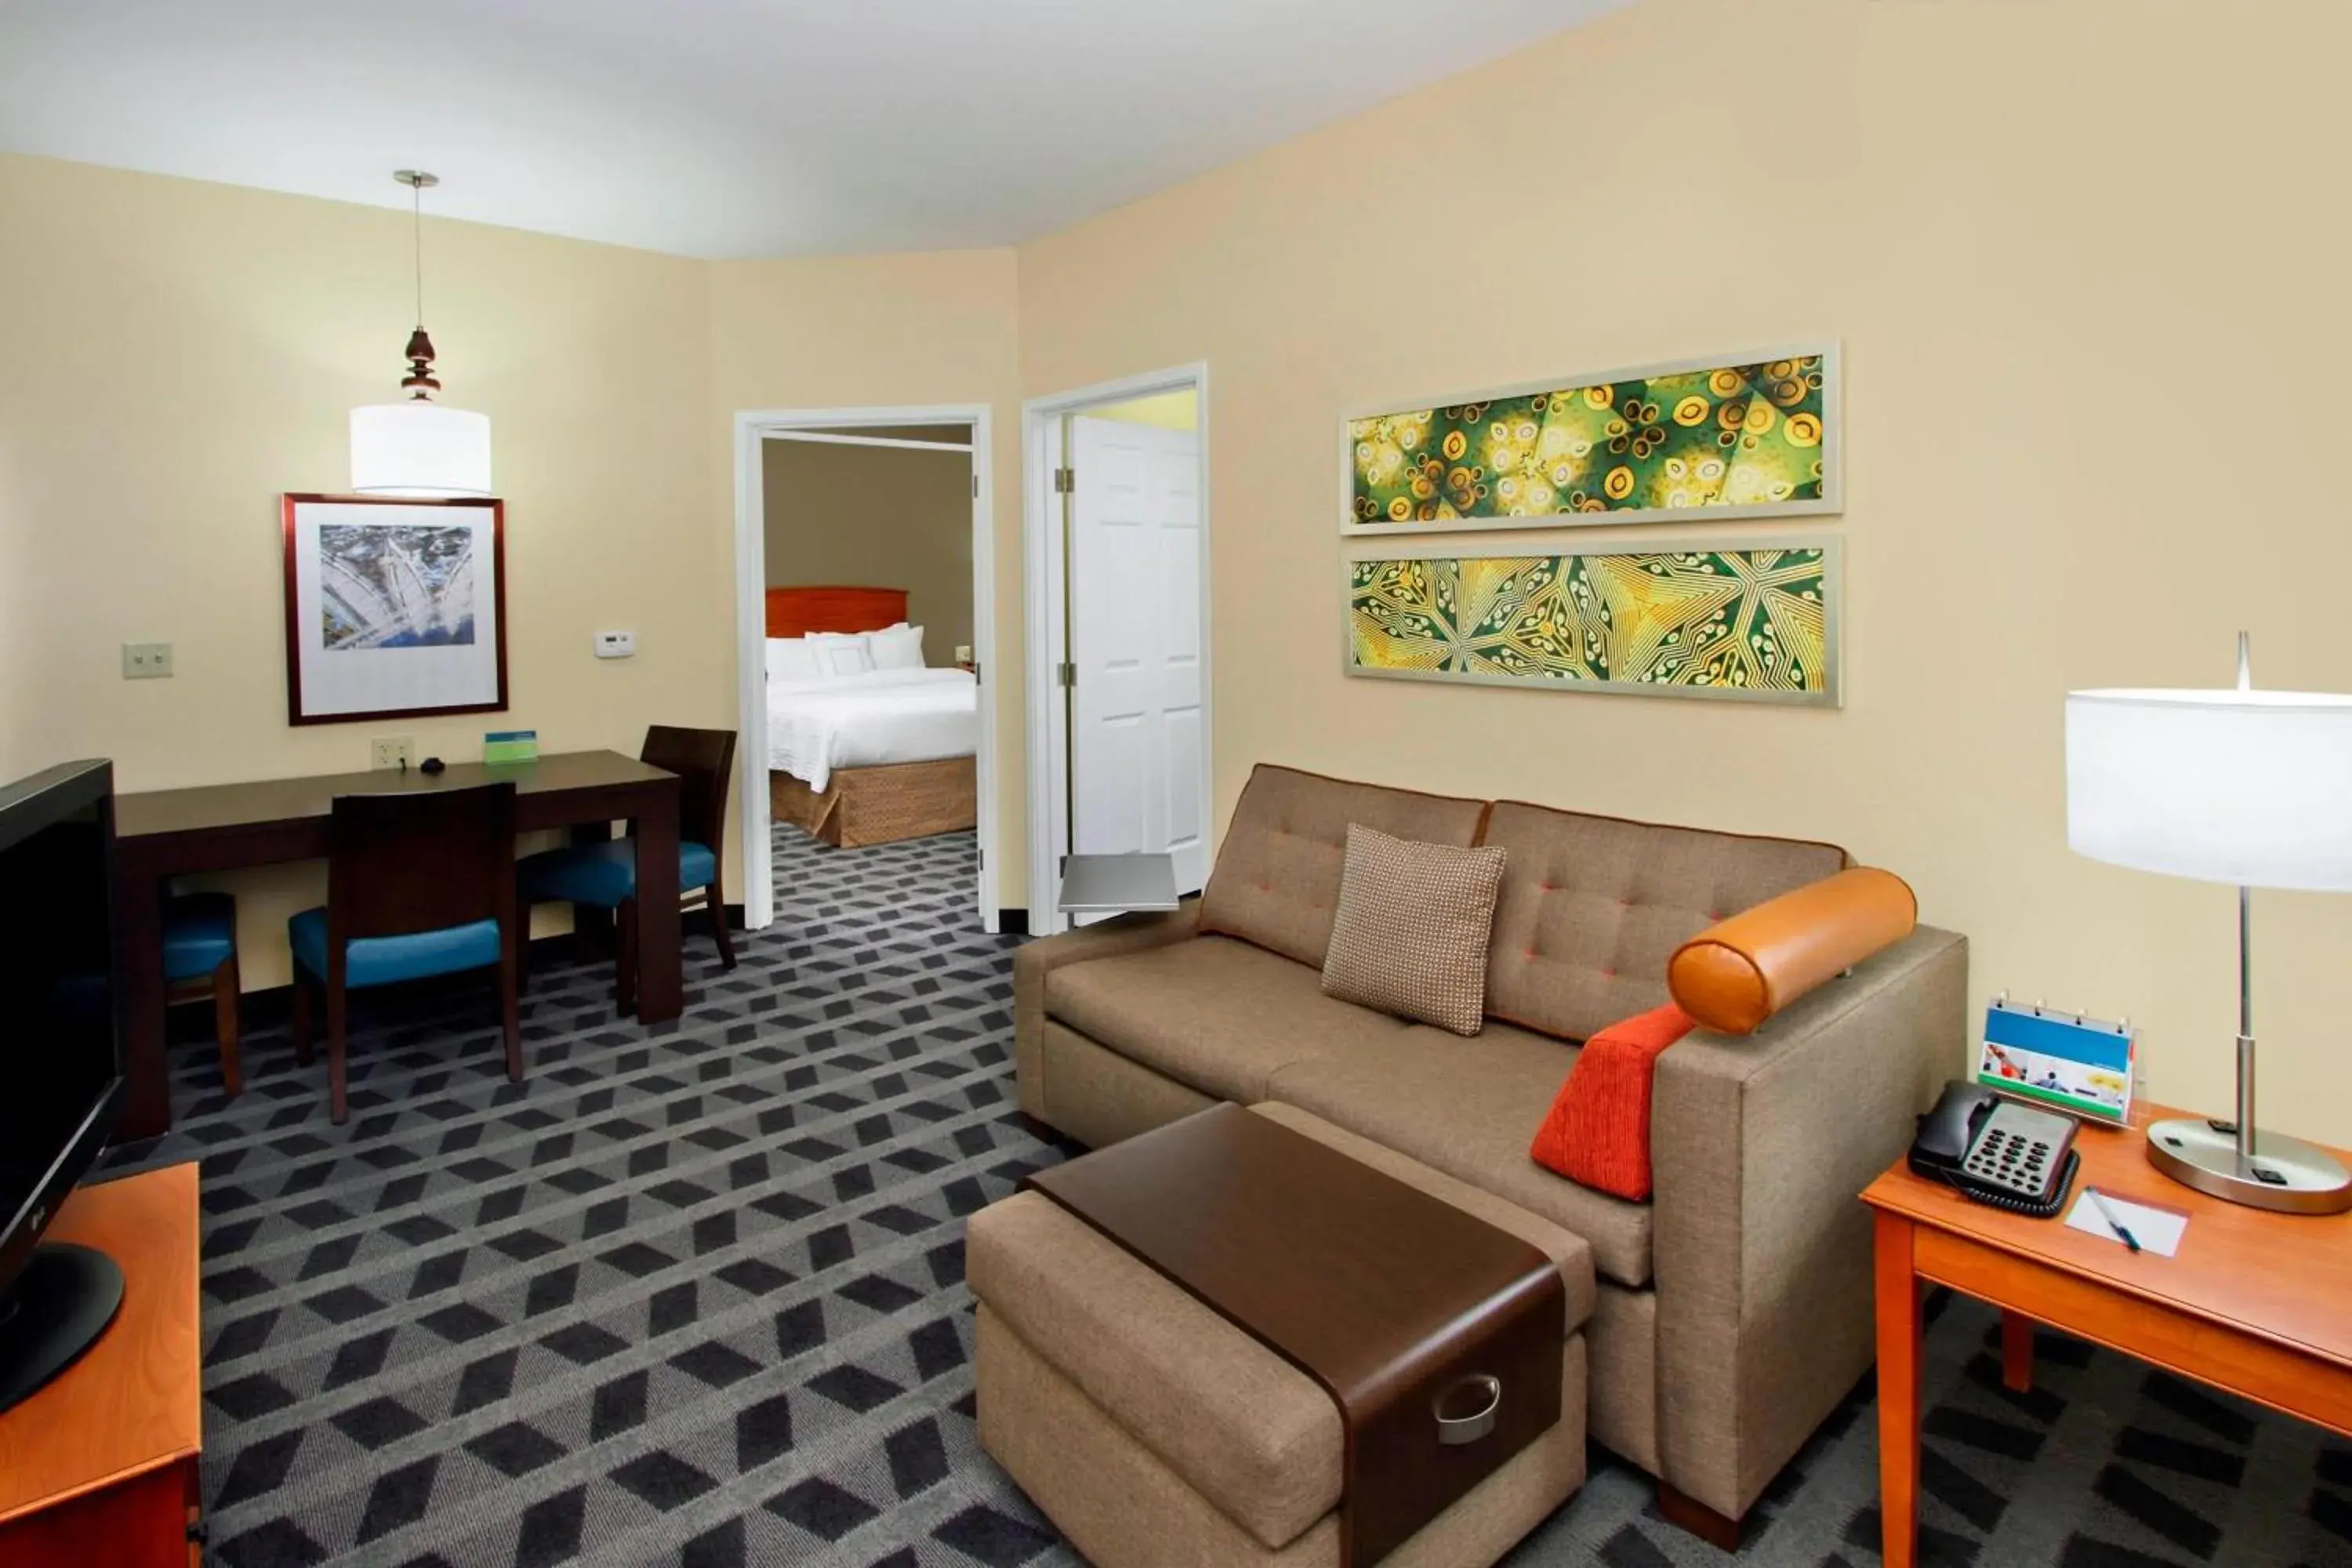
2284	1173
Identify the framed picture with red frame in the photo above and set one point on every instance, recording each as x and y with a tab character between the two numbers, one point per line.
394	608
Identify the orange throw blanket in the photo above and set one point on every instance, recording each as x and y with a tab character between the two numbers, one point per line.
1597	1131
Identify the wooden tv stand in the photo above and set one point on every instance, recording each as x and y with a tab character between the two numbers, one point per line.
100	1466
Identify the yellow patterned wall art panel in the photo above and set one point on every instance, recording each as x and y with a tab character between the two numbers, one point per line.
1752	439
1759	624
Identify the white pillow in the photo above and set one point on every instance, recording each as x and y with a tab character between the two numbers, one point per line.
791	659
899	648
844	655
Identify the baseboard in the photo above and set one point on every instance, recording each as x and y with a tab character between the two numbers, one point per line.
1012	923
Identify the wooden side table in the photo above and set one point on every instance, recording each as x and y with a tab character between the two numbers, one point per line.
100	1466
2254	1302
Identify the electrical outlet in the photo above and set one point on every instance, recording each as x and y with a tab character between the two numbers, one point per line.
393	751
146	660
963	653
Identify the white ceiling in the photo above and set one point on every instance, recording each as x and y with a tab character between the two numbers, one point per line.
728	127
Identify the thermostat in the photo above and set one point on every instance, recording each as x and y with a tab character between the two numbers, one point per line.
616	644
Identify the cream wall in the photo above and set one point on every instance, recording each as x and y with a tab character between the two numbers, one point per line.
180	353
830	332
2020	219
2083	258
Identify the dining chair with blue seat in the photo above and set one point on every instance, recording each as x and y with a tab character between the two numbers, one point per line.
604	874
200	961
419	883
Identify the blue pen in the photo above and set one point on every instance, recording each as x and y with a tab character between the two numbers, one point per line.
2100	1200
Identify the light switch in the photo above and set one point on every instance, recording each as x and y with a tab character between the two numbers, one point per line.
616	644
146	660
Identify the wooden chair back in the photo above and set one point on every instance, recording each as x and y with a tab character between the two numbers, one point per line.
420	860
704	760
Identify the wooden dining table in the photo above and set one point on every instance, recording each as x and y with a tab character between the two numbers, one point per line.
163	834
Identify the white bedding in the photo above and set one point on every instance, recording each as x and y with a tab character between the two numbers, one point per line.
864	720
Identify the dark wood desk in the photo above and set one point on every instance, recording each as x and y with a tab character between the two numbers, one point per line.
224	828
2254	1302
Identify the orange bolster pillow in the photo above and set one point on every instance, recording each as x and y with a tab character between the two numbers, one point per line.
1733	977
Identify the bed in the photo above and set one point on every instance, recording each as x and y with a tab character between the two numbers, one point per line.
865	756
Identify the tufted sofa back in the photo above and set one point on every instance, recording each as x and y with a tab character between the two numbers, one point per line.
1277	874
1592	907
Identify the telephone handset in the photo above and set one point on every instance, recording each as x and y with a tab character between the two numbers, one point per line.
1996	1151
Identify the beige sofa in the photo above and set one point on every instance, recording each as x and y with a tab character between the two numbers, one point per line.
1733	1308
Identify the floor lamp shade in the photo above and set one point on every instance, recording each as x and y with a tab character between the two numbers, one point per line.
2252	788
421	449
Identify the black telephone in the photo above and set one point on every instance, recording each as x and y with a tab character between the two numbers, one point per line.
1996	1151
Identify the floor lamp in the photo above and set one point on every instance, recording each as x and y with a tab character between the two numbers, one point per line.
2252	788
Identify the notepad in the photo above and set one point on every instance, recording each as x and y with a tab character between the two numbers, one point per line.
2157	1230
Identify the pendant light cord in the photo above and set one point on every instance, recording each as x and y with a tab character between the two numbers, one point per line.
416	199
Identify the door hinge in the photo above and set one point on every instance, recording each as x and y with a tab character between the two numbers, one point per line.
984	859
975	487
1067	674
1065	482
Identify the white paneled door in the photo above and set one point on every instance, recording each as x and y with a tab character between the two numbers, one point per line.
1136	698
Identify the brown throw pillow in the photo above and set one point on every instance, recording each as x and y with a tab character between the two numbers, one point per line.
1411	931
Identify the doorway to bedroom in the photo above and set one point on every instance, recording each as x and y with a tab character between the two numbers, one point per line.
865	635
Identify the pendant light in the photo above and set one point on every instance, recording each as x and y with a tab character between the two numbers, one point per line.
419	447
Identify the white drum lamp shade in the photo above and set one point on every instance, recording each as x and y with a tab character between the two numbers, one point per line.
421	449
2252	788
2240	786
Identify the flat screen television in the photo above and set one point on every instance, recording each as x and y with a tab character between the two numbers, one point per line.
60	1073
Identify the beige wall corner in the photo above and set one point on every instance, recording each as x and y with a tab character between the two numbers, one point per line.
2069	456
184	352
885	331
193	352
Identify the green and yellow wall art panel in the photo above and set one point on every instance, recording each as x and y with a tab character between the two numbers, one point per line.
1755	437
1745	622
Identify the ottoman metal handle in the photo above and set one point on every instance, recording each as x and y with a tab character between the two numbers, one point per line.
1454	1430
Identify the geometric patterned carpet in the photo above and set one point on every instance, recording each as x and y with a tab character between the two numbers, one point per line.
694	1296
2104	1464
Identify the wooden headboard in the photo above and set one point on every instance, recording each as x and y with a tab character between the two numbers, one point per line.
796	611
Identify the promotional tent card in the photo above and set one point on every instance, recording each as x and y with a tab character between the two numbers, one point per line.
2062	1060
510	746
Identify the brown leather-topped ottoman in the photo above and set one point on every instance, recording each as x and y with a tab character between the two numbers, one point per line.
1153	1429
